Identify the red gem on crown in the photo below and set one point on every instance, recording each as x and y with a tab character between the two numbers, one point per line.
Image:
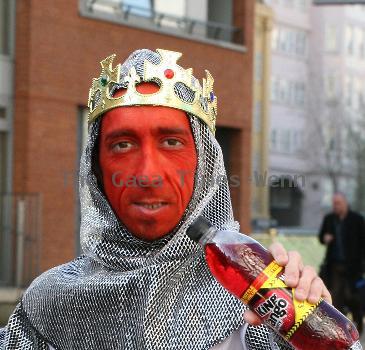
169	73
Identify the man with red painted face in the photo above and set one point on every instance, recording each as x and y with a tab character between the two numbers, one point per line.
151	194
150	167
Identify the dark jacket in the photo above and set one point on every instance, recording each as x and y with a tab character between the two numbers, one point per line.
353	239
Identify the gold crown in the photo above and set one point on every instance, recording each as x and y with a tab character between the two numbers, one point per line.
168	75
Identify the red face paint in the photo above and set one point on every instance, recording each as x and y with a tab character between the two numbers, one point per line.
148	160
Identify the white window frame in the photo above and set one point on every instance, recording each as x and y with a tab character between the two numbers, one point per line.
331	38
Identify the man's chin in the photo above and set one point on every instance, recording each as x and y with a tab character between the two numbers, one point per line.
150	230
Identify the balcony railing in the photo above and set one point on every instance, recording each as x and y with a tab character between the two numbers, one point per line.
148	18
19	238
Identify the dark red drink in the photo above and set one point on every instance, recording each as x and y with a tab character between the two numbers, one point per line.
248	271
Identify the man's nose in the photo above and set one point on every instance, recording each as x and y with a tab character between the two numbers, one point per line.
150	168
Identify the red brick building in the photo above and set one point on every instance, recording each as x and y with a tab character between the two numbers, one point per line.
58	46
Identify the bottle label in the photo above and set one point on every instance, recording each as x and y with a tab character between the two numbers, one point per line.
275	303
356	346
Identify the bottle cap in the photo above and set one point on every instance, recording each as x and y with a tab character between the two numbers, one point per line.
198	228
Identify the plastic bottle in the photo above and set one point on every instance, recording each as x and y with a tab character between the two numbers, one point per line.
249	272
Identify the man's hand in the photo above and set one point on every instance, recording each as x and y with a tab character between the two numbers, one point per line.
327	238
304	278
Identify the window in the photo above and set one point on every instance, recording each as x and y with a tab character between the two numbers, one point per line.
362	97
298	5
174	8
138	7
301	43
193	18
349	89
277	94
299	97
285	141
283	40
357	41
290	41
327	192
283	91
349	40
330	40
330	86
288	3
127	7
328	138
4	27
358	91
289	92
274	139
302	5
280	199
297	140
348	187
271	2
362	45
274	38
275	87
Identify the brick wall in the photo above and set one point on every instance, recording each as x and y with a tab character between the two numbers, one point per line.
57	55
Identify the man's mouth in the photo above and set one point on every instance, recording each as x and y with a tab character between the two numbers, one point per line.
151	205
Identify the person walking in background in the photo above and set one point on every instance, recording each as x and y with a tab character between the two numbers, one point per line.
343	232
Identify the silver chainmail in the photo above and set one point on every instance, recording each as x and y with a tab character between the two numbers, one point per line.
125	293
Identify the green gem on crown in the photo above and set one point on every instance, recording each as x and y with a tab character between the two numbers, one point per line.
104	80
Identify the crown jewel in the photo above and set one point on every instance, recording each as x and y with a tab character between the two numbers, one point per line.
168	75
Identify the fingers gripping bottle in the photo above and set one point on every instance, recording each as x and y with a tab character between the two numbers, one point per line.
249	272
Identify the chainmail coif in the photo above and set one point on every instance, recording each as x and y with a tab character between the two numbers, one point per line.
125	293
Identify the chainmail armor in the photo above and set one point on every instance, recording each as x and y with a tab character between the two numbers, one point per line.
125	293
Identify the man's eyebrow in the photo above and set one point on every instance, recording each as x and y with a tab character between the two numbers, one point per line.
160	130
172	131
118	133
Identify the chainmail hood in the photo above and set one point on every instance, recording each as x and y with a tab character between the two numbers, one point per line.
125	293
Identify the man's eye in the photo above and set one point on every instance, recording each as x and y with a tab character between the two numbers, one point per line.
172	143
122	146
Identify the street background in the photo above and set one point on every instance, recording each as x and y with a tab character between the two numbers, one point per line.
290	81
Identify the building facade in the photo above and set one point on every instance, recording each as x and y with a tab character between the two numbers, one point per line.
338	67
289	88
261	117
317	95
58	46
